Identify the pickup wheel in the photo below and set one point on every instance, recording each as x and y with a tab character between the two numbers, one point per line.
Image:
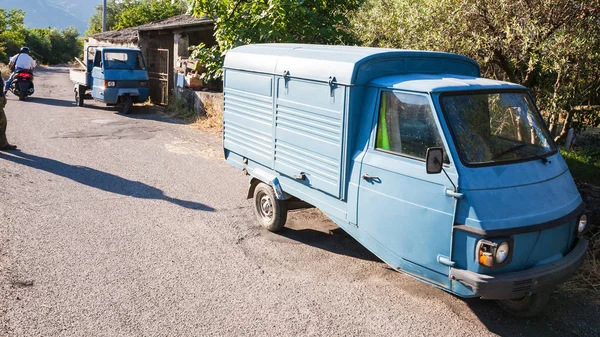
270	211
126	105
79	94
528	306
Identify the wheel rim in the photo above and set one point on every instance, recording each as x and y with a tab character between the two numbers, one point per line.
265	207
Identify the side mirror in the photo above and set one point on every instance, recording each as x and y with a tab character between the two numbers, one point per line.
434	160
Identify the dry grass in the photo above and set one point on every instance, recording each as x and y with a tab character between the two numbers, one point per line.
587	279
212	120
589	273
4	71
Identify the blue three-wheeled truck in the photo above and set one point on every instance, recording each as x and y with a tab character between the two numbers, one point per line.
116	76
446	176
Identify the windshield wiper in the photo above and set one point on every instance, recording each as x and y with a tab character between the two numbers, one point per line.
512	149
520	146
543	159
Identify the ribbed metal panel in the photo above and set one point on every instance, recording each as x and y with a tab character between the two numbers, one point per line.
248	116
309	134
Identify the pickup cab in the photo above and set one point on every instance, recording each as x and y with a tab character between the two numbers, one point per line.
112	75
447	177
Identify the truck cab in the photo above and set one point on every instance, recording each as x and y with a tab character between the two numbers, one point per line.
114	75
447	177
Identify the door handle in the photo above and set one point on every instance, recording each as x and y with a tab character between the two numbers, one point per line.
370	178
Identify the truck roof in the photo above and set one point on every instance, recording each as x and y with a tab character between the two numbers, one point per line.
116	48
442	83
347	64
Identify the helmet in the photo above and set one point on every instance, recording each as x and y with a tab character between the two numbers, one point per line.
24	50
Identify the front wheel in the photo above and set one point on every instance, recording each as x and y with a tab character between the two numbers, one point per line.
270	211
528	306
126	105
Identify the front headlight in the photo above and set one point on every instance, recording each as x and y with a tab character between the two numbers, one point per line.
582	223
110	84
493	255
502	252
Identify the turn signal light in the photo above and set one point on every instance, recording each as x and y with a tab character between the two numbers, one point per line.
492	254
486	259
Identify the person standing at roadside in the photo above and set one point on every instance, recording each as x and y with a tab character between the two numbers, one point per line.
4	145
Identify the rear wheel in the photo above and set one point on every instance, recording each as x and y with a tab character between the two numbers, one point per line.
126	105
270	211
528	306
79	94
22	95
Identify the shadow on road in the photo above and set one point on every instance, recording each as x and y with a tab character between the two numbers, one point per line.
336	241
98	179
48	101
567	314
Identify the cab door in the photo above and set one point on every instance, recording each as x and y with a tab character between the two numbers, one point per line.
98	77
401	206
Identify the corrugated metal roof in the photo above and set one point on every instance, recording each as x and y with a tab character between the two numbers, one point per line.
175	22
131	35
127	35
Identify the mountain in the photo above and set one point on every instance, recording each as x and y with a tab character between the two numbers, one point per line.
54	13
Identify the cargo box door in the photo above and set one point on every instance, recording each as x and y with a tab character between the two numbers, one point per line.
309	132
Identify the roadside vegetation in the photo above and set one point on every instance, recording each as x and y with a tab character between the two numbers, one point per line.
208	117
131	13
48	45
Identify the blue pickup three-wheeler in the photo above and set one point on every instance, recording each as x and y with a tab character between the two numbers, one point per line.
448	177
116	76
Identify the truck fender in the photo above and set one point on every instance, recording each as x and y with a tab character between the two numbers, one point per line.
259	175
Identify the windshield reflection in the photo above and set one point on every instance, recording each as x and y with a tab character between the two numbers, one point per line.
496	127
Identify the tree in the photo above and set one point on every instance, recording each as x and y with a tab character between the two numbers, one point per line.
11	32
47	45
113	9
131	13
240	22
147	11
550	46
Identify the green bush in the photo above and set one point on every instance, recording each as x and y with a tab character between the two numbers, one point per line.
584	164
47	45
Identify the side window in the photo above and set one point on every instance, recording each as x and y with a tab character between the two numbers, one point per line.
406	125
97	59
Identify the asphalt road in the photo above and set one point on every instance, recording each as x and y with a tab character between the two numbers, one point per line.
132	225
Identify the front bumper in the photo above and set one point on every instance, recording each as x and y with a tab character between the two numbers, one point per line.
522	283
111	95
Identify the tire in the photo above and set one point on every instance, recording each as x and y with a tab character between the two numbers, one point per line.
79	94
126	105
270	211
526	307
22	95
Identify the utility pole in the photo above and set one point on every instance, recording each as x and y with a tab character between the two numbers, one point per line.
104	16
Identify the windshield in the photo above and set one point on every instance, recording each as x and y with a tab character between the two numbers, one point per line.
124	60
499	127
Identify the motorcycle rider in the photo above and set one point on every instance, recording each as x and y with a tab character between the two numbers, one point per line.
22	61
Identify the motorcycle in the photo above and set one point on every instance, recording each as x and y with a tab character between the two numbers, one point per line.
22	84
